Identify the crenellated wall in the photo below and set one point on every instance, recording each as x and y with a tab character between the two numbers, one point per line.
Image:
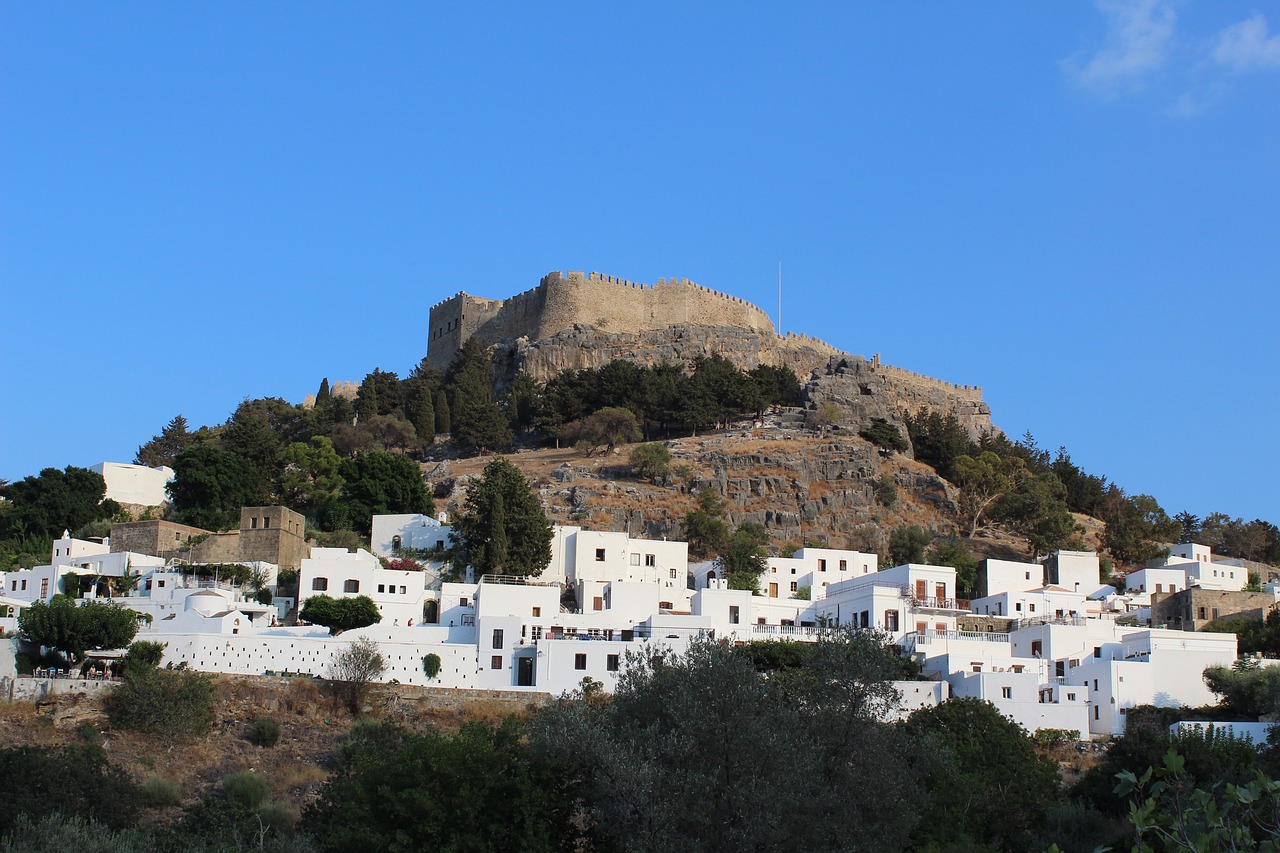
563	300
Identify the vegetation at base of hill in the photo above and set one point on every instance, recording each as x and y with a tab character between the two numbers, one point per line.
763	746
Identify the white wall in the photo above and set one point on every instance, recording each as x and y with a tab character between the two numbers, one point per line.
135	484
414	529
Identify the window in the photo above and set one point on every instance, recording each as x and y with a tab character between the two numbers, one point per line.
462	602
1028	574
1033	608
537	611
673	574
1201	611
439	543
495	662
1095	712
635	559
253	523
1097	651
381	588
1018	606
733	614
402	591
891	620
350	585
794	586
266	522
666	605
611	663
597	603
844	565
1006	692
822	565
319	584
651	559
161	583
396	542
1037	648
599	555
1071	697
497	638
579	661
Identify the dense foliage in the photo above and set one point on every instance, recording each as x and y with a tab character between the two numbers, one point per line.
164	702
340	614
73	630
503	528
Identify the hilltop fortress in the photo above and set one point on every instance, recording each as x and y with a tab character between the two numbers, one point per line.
576	320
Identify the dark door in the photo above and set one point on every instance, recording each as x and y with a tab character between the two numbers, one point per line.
524	672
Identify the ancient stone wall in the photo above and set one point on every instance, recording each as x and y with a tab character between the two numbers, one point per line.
562	301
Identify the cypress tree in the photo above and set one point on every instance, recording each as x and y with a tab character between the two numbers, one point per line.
443	424
323	393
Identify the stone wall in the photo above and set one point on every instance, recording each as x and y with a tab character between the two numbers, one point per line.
1192	609
564	300
160	538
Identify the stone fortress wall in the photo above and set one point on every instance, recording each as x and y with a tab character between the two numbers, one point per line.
575	320
564	300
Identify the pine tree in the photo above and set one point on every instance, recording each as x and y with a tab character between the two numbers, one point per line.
502	525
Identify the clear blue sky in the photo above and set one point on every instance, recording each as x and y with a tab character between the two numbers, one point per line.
1076	206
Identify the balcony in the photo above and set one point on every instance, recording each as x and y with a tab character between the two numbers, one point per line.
919	603
918	639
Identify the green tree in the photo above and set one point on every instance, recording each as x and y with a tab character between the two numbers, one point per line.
477	421
604	428
704	526
983	480
960	558
503	528
884	434
444	421
378	483
340	614
908	544
993	787
379	394
45	505
938	440
162	449
1136	528
746	557
420	410
323	393
886	491
479	790
311	474
72	630
1038	512
211	485
650	461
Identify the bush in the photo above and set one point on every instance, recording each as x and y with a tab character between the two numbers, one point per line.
431	665
278	817
247	789
164	702
161	791
142	656
650	461
264	732
75	781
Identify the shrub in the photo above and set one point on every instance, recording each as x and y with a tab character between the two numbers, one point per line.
164	701
278	817
247	789
142	656
161	791
431	665
354	668
264	732
71	780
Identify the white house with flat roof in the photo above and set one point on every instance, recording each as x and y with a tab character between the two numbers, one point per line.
135	484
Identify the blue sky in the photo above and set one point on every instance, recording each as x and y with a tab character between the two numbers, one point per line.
1074	205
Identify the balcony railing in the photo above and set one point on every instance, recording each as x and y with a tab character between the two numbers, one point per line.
786	630
924	638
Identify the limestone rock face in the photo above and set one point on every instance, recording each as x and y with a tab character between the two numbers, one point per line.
862	390
585	346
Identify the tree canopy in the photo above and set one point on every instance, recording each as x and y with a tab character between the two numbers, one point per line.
503	528
73	630
47	504
340	614
210	486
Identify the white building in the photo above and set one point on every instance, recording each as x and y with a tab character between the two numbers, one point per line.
409	530
401	596
135	484
815	569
